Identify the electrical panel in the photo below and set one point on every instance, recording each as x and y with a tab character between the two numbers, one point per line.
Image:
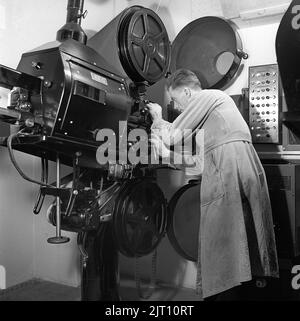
265	104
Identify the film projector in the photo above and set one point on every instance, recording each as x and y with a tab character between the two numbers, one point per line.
64	92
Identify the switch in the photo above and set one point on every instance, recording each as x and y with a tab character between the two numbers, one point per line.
36	65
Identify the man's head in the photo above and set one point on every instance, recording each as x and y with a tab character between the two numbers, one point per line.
181	86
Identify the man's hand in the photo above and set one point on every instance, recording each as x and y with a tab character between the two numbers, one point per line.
155	111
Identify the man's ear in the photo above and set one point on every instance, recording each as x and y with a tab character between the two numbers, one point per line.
188	92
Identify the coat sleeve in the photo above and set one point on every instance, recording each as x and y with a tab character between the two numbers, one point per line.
172	133
191	117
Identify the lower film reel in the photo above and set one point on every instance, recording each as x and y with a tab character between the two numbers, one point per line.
184	220
139	217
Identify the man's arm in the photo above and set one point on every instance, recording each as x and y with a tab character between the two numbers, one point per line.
196	112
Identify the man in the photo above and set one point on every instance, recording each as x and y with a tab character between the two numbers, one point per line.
236	236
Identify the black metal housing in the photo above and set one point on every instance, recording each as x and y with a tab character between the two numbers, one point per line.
80	93
200	44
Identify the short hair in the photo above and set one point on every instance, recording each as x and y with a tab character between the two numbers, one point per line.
183	77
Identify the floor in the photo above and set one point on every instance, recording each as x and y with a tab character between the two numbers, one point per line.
39	290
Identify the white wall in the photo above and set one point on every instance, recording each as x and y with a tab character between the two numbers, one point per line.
259	43
17	195
16	220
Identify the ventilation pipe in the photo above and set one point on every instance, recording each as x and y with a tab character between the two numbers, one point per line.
72	29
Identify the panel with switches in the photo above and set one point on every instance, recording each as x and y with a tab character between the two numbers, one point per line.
264	104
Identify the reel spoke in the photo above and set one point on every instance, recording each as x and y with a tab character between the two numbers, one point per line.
137	41
146	65
159	37
159	60
146	23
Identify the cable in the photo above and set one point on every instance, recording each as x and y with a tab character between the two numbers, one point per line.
107	190
13	160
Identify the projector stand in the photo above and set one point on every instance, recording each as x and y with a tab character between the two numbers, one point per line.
100	270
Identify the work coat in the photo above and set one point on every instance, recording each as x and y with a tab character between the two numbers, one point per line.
236	234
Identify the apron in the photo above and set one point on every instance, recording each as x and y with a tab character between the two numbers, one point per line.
236	234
